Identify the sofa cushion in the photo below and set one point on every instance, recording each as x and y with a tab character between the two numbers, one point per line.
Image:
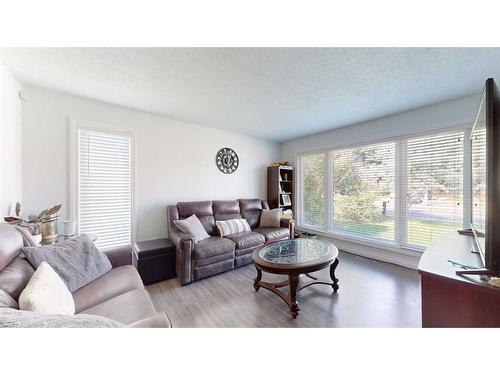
203	211
251	209
270	218
226	210
15	277
11	242
246	240
76	260
127	308
117	281
193	227
7	301
274	234
211	260
232	226
213	246
46	293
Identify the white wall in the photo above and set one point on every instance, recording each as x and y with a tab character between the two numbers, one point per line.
10	142
175	160
425	119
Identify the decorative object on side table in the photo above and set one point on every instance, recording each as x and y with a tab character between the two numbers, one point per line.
44	224
155	260
227	160
295	258
69	228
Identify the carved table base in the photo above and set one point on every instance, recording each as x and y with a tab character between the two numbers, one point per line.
295	285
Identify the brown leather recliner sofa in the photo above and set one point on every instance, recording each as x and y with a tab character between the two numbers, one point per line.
215	254
118	294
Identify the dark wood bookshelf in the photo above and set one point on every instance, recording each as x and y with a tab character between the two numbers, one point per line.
280	183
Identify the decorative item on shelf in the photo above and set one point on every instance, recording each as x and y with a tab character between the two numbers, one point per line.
287	214
286	200
279	163
227	160
69	228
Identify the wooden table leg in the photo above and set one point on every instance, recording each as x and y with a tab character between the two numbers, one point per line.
256	281
294	306
335	284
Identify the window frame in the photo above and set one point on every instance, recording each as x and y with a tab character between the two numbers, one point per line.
75	125
401	181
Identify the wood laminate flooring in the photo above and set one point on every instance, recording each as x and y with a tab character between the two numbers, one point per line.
371	294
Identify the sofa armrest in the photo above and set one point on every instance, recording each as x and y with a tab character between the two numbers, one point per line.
184	247
160	320
290	224
119	257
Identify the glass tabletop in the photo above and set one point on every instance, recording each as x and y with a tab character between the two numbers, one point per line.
295	251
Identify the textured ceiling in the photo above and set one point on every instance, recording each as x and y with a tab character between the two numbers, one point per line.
272	93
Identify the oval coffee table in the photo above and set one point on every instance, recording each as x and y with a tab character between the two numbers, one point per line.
294	258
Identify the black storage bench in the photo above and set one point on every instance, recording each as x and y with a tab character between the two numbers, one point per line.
155	260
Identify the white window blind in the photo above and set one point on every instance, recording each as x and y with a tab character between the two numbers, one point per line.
363	191
313	170
434	186
105	187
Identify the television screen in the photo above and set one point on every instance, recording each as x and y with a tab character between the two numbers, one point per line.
479	176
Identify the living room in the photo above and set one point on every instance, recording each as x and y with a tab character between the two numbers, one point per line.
211	184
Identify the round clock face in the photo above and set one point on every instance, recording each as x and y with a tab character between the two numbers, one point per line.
227	160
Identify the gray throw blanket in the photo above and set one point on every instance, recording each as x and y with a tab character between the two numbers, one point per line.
11	318
77	261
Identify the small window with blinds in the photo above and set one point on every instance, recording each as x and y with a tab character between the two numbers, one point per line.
434	186
105	187
363	191
313	192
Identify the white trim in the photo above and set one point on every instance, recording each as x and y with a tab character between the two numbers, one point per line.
451	127
401	256
74	125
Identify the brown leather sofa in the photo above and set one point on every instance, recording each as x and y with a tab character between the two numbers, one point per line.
215	254
117	295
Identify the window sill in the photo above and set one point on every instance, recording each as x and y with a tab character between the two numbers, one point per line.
379	250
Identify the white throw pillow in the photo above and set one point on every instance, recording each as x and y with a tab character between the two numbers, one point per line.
46	293
232	226
192	226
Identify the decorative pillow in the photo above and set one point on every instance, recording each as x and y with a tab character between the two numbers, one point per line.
76	260
232	226
270	218
46	293
192	226
10	318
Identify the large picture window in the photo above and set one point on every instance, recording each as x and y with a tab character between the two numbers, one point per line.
406	192
435	186
363	186
314	209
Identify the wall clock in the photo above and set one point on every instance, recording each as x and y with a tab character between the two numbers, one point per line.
227	160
